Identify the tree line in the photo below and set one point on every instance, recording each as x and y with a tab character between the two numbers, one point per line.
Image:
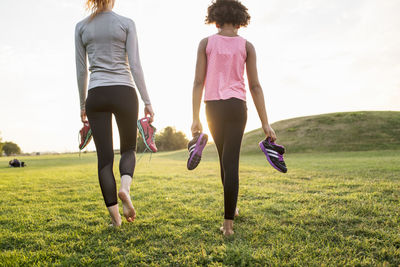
166	140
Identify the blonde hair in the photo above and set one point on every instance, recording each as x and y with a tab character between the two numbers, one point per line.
97	6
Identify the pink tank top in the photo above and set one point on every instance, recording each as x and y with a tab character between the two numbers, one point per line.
226	58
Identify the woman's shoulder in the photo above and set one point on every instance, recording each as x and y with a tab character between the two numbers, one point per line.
83	21
128	22
242	38
203	44
249	45
204	41
81	24
213	36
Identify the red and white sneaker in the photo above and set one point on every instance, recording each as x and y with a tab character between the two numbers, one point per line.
85	135
148	132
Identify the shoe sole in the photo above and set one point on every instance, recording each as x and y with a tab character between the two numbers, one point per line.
139	125
268	158
195	158
87	140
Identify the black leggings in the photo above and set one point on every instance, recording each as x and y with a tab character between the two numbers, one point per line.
227	120
101	103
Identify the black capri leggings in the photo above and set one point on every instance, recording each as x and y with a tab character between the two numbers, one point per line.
227	120
101	103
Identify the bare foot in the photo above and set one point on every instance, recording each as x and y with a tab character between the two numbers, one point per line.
114	214
226	233
116	223
128	209
227	228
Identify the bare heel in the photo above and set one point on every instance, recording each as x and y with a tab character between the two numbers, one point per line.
128	209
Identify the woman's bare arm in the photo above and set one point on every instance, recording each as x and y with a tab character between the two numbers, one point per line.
256	90
198	85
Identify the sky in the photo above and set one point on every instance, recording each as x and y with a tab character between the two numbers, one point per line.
314	56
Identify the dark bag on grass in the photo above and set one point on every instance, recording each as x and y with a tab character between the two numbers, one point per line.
16	163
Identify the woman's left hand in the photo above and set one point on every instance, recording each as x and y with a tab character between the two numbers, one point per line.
269	132
148	110
83	116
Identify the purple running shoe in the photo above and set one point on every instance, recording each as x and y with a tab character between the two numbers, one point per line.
195	147
274	154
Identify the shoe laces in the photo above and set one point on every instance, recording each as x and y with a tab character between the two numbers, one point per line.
142	154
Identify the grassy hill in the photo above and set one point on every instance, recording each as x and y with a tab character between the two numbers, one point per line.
344	131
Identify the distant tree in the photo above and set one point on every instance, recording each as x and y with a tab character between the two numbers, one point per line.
166	140
169	139
11	148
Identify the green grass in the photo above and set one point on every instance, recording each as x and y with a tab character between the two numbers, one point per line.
344	131
329	209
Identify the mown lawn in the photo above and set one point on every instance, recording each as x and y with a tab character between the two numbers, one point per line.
329	209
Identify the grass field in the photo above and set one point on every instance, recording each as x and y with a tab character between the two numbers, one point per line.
329	209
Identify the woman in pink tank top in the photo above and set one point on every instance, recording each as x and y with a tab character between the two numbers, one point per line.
221	61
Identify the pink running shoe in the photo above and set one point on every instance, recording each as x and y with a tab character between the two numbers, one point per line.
85	135
147	131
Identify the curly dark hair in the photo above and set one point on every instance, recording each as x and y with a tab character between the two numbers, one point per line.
223	12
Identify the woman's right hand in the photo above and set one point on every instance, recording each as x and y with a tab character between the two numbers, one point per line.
148	110
269	132
196	127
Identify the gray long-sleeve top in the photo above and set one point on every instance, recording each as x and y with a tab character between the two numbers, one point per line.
110	42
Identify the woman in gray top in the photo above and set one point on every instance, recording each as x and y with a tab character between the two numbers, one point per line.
110	43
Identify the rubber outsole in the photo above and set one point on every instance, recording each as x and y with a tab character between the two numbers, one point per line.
88	138
195	158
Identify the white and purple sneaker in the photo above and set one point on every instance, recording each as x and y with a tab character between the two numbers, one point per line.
274	154
195	147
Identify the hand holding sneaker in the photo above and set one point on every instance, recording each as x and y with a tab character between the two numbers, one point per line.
196	127
269	132
148	110
85	135
83	116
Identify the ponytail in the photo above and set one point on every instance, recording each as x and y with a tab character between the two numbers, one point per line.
97	6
